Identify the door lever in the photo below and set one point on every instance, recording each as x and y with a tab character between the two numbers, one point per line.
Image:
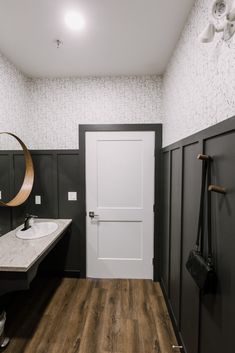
93	215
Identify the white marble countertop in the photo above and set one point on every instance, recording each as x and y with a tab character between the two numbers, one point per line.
18	255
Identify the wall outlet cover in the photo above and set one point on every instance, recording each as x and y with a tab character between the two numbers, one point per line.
72	196
38	200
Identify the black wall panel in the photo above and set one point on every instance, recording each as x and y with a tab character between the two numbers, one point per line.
5	187
204	324
218	312
189	291
165	222
68	180
175	231
44	185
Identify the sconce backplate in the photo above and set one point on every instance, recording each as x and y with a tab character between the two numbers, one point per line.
220	9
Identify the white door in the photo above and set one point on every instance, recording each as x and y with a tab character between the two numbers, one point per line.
120	193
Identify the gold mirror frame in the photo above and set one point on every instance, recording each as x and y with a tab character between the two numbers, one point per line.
27	185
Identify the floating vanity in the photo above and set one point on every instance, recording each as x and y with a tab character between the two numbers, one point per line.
20	258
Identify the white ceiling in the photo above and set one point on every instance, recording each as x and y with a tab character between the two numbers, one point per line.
121	37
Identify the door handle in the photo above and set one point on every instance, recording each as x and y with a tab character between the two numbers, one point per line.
93	215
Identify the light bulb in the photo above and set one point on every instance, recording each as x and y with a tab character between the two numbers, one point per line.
74	20
208	34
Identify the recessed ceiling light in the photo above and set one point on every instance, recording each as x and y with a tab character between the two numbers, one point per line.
74	20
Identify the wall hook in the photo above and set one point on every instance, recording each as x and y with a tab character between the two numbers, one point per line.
204	157
217	188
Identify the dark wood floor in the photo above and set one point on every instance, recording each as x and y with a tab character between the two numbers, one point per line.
90	316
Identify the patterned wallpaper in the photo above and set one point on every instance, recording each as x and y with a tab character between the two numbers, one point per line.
13	102
57	106
199	84
45	113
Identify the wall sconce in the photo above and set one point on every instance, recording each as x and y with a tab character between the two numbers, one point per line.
222	19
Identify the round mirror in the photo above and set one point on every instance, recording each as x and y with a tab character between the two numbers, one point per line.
27	185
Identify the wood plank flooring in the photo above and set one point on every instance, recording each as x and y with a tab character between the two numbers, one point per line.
90	316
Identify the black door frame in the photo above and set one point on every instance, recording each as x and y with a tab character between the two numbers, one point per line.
157	128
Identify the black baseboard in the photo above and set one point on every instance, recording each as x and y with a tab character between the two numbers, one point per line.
71	274
59	273
173	320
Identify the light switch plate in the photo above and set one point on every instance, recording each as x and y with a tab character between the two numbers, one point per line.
0	195
72	196
38	200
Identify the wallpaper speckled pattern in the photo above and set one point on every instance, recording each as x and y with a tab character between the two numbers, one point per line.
59	105
46	113
13	102
199	83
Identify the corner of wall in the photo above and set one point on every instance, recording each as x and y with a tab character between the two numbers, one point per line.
198	86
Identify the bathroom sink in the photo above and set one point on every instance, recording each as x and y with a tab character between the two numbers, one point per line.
38	230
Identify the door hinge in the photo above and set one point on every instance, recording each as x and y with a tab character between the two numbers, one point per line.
153	261
154	208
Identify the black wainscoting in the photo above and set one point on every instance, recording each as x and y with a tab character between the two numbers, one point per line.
175	232
6	184
165	245
56	173
206	324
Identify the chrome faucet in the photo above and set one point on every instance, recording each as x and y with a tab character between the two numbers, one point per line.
28	221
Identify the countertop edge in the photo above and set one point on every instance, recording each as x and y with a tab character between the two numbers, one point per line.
26	269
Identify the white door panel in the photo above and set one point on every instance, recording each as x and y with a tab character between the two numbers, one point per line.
112	235
124	169
120	192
